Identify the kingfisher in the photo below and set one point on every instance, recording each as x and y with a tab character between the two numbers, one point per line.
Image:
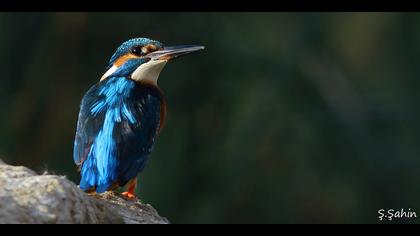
122	115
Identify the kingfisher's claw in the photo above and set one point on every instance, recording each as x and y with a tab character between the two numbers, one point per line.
129	195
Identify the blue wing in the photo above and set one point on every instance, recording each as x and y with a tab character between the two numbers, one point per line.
88	126
116	132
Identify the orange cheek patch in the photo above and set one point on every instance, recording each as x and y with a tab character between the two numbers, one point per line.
123	59
150	48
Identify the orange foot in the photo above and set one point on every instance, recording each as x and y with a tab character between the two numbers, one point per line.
131	189
129	195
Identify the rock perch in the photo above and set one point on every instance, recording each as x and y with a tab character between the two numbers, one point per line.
26	197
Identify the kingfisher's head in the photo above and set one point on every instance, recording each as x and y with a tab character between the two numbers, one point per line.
143	59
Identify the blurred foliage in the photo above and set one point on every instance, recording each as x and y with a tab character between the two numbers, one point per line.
284	118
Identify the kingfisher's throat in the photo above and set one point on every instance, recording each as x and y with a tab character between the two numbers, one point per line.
145	72
149	72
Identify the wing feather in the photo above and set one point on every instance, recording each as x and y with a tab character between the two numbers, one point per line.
116	132
88	126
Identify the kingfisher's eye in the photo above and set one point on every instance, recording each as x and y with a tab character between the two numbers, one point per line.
138	51
143	50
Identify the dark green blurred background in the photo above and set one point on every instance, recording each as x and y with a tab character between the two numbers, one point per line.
284	118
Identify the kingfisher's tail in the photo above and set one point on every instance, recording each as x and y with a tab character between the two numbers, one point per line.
91	178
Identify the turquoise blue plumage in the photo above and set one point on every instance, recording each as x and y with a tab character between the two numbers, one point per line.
120	117
117	129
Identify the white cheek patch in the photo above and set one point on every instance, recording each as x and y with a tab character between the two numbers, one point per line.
109	72
149	71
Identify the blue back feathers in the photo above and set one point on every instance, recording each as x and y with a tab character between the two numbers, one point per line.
117	128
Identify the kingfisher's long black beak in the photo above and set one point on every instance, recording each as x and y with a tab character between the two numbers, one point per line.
168	53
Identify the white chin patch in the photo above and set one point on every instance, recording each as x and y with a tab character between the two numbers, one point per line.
149	72
109	72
